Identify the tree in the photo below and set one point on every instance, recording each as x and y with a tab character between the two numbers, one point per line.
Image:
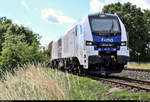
7	27
48	50
16	52
18	46
135	21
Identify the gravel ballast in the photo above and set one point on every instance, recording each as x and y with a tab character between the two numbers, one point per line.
135	75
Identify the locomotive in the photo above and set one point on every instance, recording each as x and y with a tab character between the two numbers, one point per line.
98	43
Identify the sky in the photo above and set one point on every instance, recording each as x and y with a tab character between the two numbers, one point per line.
51	18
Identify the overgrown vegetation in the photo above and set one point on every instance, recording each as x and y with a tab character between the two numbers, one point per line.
30	83
38	83
137	23
18	46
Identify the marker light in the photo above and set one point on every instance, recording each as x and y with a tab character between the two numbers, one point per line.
102	15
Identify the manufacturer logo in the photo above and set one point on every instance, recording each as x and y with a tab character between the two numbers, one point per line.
107	40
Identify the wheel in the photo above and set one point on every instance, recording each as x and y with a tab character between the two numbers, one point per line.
85	71
50	65
98	75
60	65
54	64
107	74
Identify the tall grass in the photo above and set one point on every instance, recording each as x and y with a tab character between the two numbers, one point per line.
38	83
31	84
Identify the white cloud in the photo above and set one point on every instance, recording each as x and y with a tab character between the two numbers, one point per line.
53	16
97	5
23	3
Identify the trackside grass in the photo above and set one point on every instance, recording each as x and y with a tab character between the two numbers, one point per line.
139	65
38	83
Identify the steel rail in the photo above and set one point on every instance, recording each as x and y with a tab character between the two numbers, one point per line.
128	85
133	83
140	70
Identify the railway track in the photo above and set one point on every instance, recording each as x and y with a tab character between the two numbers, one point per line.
140	70
139	85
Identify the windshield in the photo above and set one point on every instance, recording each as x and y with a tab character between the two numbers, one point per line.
100	25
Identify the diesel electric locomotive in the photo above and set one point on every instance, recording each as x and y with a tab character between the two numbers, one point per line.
98	43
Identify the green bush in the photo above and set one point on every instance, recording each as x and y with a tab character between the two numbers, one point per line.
17	53
18	46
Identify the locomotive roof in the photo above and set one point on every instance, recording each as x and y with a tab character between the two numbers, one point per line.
105	14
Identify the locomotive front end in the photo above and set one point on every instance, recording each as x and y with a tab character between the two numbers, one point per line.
109	42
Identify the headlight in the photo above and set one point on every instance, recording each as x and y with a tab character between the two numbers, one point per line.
114	49
123	43
112	56
89	43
